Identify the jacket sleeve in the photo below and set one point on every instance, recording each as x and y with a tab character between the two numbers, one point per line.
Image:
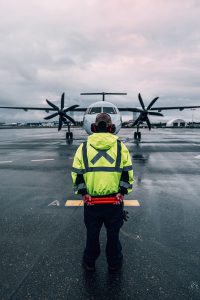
126	181
77	173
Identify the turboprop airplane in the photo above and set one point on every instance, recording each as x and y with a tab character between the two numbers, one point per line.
102	106
141	114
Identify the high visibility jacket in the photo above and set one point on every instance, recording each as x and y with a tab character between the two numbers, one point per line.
102	166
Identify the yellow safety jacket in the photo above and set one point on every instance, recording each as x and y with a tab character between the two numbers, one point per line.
102	166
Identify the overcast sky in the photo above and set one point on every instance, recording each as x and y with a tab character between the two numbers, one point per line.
146	46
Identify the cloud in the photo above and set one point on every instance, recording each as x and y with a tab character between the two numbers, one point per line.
147	46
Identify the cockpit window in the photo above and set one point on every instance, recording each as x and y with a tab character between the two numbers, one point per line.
95	110
98	110
109	110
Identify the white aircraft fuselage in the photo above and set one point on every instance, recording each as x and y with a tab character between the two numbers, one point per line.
98	107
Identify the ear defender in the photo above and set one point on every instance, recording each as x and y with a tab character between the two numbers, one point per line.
111	128
93	127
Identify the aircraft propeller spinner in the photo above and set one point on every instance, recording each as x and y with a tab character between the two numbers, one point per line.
61	112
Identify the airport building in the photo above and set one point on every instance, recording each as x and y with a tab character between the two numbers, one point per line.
176	123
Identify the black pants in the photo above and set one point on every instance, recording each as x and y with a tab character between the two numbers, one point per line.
112	217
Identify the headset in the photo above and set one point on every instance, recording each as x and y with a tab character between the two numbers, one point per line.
110	128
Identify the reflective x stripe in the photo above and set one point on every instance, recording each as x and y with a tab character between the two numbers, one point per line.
101	169
102	153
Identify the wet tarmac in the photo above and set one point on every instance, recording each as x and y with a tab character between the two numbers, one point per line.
41	246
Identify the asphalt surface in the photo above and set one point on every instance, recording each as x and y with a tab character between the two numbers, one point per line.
41	246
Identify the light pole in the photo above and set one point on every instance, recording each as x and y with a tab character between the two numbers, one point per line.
192	109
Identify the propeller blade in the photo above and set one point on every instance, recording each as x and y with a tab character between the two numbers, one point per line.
148	123
52	105
155	113
62	100
70	108
70	118
141	101
60	124
136	121
51	116
152	103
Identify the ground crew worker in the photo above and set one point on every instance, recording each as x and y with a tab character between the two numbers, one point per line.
102	167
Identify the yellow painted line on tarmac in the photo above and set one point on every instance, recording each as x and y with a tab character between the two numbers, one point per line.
131	203
74	203
80	203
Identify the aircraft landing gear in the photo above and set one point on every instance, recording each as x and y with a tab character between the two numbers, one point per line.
69	134
137	135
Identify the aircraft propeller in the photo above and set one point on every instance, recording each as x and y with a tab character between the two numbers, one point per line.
61	112
145	111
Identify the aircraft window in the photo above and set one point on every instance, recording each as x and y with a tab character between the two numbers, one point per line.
109	110
95	110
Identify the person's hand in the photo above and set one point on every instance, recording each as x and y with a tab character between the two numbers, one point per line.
87	199
119	198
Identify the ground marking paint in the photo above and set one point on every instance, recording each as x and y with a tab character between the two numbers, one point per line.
6	162
132	236
198	156
54	203
80	203
45	159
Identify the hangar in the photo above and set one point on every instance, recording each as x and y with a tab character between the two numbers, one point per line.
176	123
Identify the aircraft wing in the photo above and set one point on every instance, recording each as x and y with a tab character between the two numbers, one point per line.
28	108
40	108
174	107
132	109
60	111
80	109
